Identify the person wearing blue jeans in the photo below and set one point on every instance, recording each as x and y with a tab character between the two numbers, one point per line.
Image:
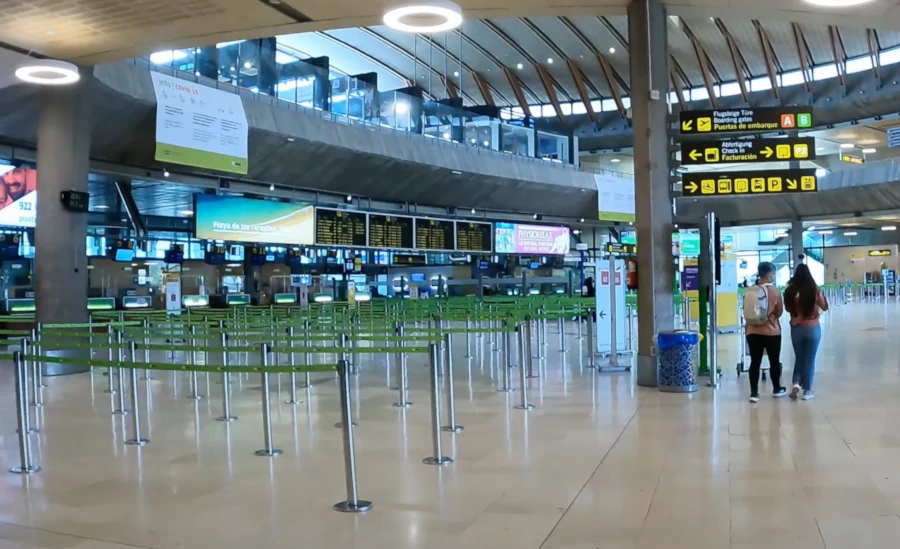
805	302
806	342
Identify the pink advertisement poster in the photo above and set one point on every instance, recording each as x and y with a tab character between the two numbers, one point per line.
513	238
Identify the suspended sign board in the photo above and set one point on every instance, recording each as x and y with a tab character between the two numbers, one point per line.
893	135
879	253
621	249
852	159
751	182
746	120
738	151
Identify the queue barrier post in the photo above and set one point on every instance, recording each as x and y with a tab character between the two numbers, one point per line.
36	393
226	382
135	402
292	360
523	379
402	373
109	355
195	394
306	356
147	376
507	359
590	337
269	449
352	504
25	457
120	343
529	351
438	457
40	369
451	426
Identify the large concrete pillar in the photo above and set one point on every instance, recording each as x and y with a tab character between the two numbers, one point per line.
796	242
63	161
649	90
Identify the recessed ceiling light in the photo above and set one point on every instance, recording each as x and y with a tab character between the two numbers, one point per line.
821	172
549	60
520	66
423	16
535	216
869	151
101	207
271	186
581	220
889	228
290	139
838	3
166	173
850	233
487	143
615	160
445	135
186	212
847	145
456	74
247	64
612	50
820	148
826	232
473	211
48	72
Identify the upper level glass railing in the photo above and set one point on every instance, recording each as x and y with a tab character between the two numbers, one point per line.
352	101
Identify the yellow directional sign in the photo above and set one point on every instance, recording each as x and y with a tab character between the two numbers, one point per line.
737	151
749	183
746	120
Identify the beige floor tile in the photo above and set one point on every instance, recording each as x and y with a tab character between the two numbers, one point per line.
869	532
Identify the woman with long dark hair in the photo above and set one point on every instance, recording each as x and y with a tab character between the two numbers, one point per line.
805	302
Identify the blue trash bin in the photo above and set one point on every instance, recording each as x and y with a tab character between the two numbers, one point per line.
678	361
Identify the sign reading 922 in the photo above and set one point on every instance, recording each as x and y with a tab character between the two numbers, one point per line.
746	120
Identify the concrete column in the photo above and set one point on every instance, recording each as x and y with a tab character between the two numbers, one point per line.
649	89
63	161
796	242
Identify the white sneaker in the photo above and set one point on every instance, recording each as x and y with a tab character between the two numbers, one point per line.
795	390
754	398
808	395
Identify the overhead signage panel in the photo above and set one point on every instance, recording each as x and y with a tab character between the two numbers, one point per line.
738	151
340	228
746	120
750	182
852	159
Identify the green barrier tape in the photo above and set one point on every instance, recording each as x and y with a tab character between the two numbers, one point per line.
15	332
180	367
350	350
91	325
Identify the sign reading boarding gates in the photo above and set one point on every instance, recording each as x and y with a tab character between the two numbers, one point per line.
750	182
746	120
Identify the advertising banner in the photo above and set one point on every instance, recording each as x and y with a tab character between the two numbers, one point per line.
615	198
18	196
199	126
250	220
513	238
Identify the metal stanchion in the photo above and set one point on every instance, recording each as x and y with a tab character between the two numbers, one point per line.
438	458
451	394
353	504
226	383
269	449
292	361
592	349
504	374
529	352
36	393
26	351
402	373
561	326
109	355
468	337
147	348
307	360
120	343
713	349
25	464
40	369
195	386
578	319
135	402
523	379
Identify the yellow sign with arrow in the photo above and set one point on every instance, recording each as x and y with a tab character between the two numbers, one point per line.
739	151
749	182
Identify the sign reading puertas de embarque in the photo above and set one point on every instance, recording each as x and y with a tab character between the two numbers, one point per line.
746	120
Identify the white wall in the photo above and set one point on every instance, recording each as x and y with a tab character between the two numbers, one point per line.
841	266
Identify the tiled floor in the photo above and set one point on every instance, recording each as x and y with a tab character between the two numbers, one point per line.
598	464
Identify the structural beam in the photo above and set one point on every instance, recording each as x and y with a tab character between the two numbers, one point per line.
679	88
483	51
768	56
483	88
837	53
516	84
742	73
547	81
578	77
803	54
705	65
613	84
872	37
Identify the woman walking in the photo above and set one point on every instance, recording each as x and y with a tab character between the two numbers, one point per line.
763	308
805	302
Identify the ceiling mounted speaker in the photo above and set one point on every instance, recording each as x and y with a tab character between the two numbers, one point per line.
424	16
48	72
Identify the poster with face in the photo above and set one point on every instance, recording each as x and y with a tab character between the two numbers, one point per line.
18	196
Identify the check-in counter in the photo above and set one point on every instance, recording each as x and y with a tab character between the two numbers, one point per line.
20	306
137	302
101	304
195	301
237	300
285	299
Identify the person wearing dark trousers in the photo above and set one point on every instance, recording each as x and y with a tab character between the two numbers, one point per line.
763	307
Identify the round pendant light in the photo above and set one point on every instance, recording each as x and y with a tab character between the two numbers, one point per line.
424	16
48	72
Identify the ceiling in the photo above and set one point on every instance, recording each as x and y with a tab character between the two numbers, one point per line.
152	198
104	30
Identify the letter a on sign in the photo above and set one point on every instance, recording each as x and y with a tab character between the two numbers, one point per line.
787	121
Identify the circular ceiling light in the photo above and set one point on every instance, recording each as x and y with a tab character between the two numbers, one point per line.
837	3
48	72
423	16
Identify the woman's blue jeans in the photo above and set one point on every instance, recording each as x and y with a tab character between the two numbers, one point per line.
806	342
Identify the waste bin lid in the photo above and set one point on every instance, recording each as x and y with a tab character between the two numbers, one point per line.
668	339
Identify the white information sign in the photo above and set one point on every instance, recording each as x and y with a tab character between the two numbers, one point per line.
604	323
615	198
199	126
173	297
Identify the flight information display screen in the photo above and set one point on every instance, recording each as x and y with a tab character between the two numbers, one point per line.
435	234
340	228
390	231
474	237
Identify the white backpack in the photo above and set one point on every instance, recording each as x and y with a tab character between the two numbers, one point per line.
756	305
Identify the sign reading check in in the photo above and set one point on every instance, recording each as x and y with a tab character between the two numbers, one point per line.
746	120
736	151
750	182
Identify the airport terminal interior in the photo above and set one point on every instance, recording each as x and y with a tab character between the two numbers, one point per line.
614	274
